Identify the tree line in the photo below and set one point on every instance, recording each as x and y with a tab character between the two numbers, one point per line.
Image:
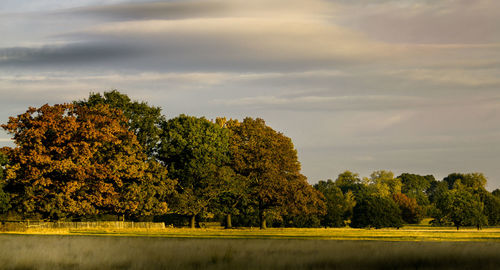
108	157
383	200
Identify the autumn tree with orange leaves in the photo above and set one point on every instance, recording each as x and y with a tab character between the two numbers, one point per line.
268	161
74	161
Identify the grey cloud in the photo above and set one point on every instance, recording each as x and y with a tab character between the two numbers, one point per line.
68	55
152	10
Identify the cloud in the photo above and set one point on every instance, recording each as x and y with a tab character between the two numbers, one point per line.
426	22
175	10
69	54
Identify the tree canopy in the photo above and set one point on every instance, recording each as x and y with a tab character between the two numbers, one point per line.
74	160
143	120
196	152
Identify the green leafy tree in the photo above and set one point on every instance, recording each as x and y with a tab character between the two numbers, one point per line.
143	120
76	161
460	207
268	161
474	181
415	186
496	193
348	181
196	153
338	205
384	184
376	211
491	208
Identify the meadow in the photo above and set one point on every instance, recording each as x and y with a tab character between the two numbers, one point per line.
418	247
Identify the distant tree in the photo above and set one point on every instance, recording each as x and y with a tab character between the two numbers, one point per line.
436	191
471	180
351	185
491	207
268	161
304	203
376	211
196	152
143	120
338	205
384	184
415	186
461	207
74	161
496	193
411	212
348	181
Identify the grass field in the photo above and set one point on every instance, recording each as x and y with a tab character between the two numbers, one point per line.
408	233
408	248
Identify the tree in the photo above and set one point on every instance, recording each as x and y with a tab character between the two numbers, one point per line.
303	204
415	186
348	181
384	184
376	211
143	120
268	161
491	208
4	197
465	209
460	207
196	152
411	212
75	161
338	205
471	180
496	193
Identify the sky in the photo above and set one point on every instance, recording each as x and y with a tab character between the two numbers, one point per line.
401	85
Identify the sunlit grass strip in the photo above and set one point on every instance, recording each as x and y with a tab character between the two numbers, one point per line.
404	234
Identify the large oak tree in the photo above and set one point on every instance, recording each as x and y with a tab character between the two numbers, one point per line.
268	161
74	161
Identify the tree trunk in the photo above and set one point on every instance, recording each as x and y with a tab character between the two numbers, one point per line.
457	227
228	222
192	223
262	220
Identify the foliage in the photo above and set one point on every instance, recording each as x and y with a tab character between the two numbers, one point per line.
4	197
462	208
496	193
376	211
415	186
384	184
196	152
411	212
338	205
72	161
471	180
143	120
491	208
268	161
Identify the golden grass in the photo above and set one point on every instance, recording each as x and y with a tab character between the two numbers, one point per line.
409	233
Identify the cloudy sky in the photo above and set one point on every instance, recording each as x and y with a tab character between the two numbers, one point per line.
401	85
